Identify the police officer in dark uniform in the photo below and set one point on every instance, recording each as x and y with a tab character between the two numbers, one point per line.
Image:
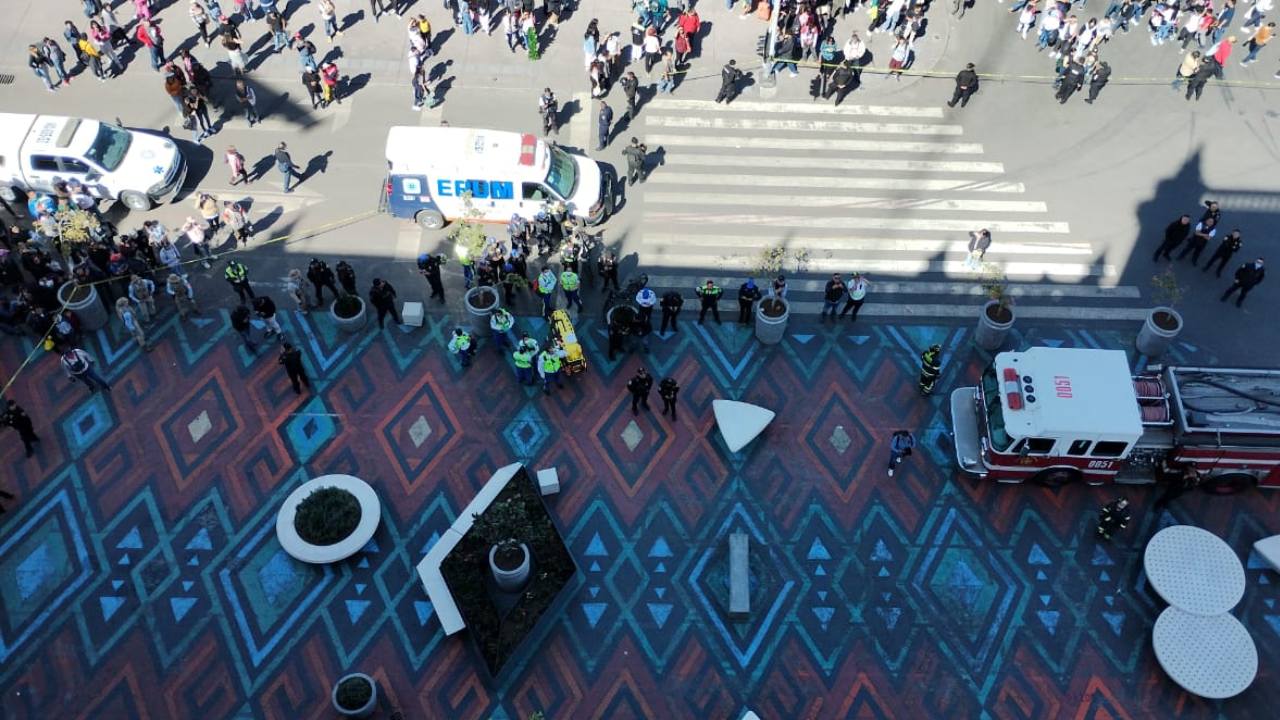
429	268
671	303
1101	76
291	359
618	332
639	387
729	76
607	268
383	297
321	276
1229	246
15	417
346	277
668	389
709	294
635	153
930	368
1072	80
748	294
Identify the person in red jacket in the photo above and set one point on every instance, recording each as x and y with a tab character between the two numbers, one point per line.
148	33
329	77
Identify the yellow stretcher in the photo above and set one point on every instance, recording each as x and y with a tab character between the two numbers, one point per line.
562	329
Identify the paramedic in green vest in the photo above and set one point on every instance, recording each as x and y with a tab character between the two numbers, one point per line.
710	296
547	291
238	275
570	283
523	358
468	264
500	322
930	368
549	364
462	346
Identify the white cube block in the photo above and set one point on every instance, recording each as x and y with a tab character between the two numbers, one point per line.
412	314
548	481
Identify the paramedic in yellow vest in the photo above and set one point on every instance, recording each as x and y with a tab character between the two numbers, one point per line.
570	283
549	364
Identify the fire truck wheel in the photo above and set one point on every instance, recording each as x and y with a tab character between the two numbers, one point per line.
1229	483
1056	477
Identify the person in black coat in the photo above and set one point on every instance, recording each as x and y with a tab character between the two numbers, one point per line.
841	81
639	387
966	86
748	294
321	277
240	322
15	417
383	298
1101	76
1229	246
671	303
1071	81
291	359
1209	67
1174	234
729	76
346	277
429	268
1247	277
668	389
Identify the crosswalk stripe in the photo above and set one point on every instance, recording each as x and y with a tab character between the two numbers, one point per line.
670	258
840	183
906	287
1025	312
793	221
864	164
847	202
861	244
795	108
834	126
839	144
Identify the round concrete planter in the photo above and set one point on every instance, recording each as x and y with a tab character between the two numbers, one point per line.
352	324
368	708
510	580
478	310
1163	324
299	549
992	332
770	330
88	308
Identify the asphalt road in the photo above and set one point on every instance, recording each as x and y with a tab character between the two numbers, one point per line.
1110	175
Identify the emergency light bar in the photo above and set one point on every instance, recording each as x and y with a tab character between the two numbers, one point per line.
1012	389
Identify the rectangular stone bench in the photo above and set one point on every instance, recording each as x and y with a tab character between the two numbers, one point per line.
413	314
739	576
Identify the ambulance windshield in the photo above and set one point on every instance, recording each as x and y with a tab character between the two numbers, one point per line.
563	173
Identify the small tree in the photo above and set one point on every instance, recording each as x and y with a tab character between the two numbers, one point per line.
76	227
996	285
1165	288
504	524
468	235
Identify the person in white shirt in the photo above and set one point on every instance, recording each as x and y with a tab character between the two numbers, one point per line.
857	285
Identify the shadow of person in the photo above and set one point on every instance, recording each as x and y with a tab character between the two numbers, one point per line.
317	164
261	167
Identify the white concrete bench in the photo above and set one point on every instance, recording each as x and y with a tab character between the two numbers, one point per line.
1269	550
548	481
429	569
739	576
740	422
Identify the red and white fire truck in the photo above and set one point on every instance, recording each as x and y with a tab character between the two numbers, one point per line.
1064	415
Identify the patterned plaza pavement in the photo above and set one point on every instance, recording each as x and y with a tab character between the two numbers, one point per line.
140	576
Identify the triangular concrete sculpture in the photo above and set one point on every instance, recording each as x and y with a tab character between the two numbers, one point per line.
740	422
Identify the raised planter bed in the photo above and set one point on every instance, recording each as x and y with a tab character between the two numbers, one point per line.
500	621
300	549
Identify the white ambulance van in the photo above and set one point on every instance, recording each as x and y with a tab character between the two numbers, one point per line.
137	168
432	170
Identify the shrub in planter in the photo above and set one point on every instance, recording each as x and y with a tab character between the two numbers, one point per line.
347	306
355	696
354	693
504	526
327	516
483	297
770	307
